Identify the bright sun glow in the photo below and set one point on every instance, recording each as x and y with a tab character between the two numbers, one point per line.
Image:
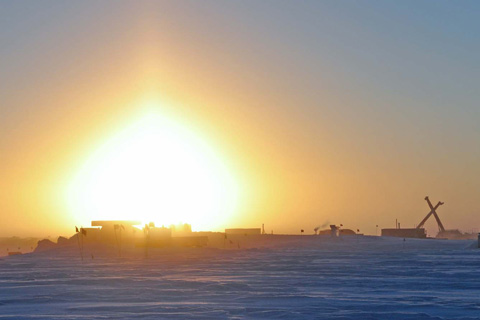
154	170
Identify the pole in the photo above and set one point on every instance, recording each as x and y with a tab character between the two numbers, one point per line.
115	227
120	242
81	240
78	241
146	232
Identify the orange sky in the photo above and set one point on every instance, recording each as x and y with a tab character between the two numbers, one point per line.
315	124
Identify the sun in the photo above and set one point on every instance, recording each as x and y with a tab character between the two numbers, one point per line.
155	170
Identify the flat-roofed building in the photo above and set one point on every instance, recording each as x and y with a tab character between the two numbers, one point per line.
404	233
107	223
244	231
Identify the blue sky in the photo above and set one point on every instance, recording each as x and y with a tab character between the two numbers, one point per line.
382	88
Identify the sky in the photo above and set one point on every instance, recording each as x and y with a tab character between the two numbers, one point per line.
317	112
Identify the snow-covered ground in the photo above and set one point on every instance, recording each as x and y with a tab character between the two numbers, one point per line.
348	278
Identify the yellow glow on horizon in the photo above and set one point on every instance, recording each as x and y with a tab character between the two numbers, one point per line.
154	170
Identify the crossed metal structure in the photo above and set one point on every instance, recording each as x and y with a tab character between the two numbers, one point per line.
434	213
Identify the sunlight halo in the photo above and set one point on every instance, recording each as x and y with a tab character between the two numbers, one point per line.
154	170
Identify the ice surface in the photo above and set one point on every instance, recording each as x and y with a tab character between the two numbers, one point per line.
347	278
